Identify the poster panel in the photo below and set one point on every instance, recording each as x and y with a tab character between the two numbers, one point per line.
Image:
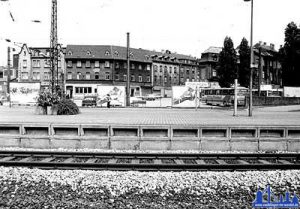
24	93
116	93
183	96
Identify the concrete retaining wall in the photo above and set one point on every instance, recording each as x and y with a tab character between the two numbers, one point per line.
151	137
273	101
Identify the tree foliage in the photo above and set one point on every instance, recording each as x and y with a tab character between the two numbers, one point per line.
244	66
227	65
290	56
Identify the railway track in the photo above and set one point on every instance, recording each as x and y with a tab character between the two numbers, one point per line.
150	161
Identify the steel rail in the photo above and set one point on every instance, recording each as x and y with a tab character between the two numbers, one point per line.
150	161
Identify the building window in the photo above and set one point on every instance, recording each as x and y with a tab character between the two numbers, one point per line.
140	67
140	78
69	75
107	53
46	76
47	63
88	53
132	78
148	78
24	63
69	63
59	64
24	53
117	77
117	65
170	69
175	69
107	76
69	53
78	63
166	69
214	73
36	63
148	67
155	78
160	68
116	53
1	74
97	64
36	76
96	75
106	64
88	76
24	75
78	76
165	80
187	71
87	64
125	77
132	66
155	68
125	65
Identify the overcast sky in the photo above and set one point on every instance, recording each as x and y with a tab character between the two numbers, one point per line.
182	26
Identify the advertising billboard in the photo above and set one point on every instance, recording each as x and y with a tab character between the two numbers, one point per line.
116	94
183	96
24	93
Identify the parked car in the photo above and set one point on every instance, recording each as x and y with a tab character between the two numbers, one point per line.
89	101
152	97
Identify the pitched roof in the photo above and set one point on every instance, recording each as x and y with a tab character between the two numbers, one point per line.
213	49
117	52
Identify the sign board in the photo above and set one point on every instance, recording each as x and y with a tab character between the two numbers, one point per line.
195	85
266	87
116	93
291	91
24	93
183	96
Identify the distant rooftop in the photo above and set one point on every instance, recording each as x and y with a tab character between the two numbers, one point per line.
213	49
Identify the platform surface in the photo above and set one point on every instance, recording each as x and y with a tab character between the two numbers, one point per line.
281	115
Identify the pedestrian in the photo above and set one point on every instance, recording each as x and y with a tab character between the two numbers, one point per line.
108	100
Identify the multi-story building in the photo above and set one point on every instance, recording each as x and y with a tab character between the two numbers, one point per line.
34	66
269	67
208	63
269	64
92	65
172	69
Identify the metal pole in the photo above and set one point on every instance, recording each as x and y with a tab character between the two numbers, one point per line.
8	75
235	98
128	73
251	62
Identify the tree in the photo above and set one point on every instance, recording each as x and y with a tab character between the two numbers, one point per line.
290	56
244	66
227	65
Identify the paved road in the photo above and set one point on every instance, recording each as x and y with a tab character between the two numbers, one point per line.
284	115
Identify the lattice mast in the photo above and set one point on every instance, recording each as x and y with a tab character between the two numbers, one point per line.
53	47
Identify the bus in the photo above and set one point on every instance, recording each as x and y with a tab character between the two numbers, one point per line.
224	96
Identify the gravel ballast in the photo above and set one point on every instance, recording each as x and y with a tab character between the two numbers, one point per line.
35	188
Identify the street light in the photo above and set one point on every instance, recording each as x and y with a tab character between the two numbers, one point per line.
251	59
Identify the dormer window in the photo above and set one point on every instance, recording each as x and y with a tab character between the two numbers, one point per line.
107	53
70	53
116	53
147	57
88	53
130	54
24	53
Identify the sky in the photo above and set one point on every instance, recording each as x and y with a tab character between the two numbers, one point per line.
183	26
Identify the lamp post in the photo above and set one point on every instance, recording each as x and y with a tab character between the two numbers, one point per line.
128	74
251	60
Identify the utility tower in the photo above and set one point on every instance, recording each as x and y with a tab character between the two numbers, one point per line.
54	48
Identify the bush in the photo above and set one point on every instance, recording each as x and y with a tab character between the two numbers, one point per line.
67	107
45	99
